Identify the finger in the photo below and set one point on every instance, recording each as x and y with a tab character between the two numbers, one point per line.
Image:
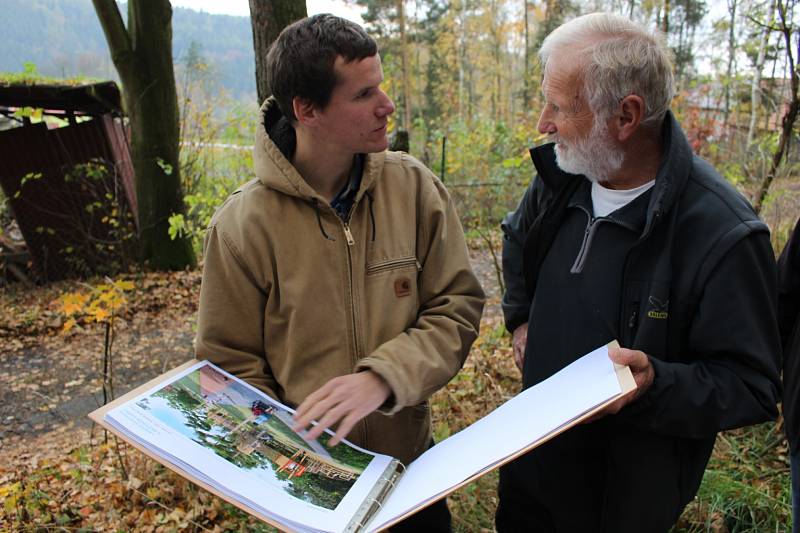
615	355
599	414
632	358
314	412
314	432
344	428
311	400
617	405
330	418
612	408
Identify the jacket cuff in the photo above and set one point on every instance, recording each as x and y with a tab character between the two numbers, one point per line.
514	317
394	402
649	396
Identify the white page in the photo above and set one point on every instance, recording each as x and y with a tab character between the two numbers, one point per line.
257	488
534	413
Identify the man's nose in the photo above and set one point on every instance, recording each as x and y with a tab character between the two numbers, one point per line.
386	106
545	124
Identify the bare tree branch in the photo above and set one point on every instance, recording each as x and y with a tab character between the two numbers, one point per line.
119	42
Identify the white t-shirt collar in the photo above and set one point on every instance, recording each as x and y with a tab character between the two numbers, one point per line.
605	201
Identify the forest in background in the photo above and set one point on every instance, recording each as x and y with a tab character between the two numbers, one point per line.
467	70
63	38
466	81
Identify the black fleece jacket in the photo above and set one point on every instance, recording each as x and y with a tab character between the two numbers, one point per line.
789	321
697	294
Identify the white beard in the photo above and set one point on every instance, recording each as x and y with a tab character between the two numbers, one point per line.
595	157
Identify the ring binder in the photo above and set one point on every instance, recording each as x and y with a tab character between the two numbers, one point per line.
374	500
381	501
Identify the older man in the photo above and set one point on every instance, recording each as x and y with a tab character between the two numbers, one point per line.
626	234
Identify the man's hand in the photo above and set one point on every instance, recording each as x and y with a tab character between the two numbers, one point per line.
643	375
346	400
518	341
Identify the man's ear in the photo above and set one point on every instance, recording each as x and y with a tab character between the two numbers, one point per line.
631	113
304	111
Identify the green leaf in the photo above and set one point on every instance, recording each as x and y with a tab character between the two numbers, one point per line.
166	167
177	226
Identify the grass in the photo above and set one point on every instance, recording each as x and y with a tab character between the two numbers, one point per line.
746	487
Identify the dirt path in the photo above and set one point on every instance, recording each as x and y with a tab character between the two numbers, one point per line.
50	382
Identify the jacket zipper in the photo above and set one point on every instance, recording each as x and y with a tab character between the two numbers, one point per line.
633	319
393	264
350	240
588	237
350	243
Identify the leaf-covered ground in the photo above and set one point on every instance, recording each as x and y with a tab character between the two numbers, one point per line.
59	473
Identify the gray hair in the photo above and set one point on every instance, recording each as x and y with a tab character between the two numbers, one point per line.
618	58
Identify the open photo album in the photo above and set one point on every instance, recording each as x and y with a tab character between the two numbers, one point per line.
233	440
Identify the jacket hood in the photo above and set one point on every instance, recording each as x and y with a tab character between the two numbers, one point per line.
275	171
676	164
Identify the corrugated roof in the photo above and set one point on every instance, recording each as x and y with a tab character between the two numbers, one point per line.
91	99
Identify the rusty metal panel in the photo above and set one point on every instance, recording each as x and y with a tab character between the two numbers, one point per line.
65	216
117	135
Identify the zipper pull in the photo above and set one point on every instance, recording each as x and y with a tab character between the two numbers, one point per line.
350	241
632	320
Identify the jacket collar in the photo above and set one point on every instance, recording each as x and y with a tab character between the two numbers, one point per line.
673	172
275	171
632	216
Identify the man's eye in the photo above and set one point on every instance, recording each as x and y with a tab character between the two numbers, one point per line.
364	93
555	108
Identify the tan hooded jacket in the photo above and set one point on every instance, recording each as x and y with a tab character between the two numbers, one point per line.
292	296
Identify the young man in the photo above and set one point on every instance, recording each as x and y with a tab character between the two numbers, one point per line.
338	281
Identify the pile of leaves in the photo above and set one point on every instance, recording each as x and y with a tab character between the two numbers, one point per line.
99	483
66	478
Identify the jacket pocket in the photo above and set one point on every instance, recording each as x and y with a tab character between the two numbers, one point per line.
648	317
391	296
393	264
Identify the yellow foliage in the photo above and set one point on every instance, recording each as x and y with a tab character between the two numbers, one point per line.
68	325
123	285
99	304
98	314
72	303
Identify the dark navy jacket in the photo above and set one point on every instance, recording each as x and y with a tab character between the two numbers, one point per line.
697	294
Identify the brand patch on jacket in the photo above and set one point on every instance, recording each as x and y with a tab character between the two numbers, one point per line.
402	287
658	309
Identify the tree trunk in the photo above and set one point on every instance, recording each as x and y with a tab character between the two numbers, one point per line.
462	58
401	20
789	118
526	89
497	90
732	4
755	87
268	18
142	54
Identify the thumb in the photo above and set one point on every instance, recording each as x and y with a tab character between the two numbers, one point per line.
622	356
615	354
634	359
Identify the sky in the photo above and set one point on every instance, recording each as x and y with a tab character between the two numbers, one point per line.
242	7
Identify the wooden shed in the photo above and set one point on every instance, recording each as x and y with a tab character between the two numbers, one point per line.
65	169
